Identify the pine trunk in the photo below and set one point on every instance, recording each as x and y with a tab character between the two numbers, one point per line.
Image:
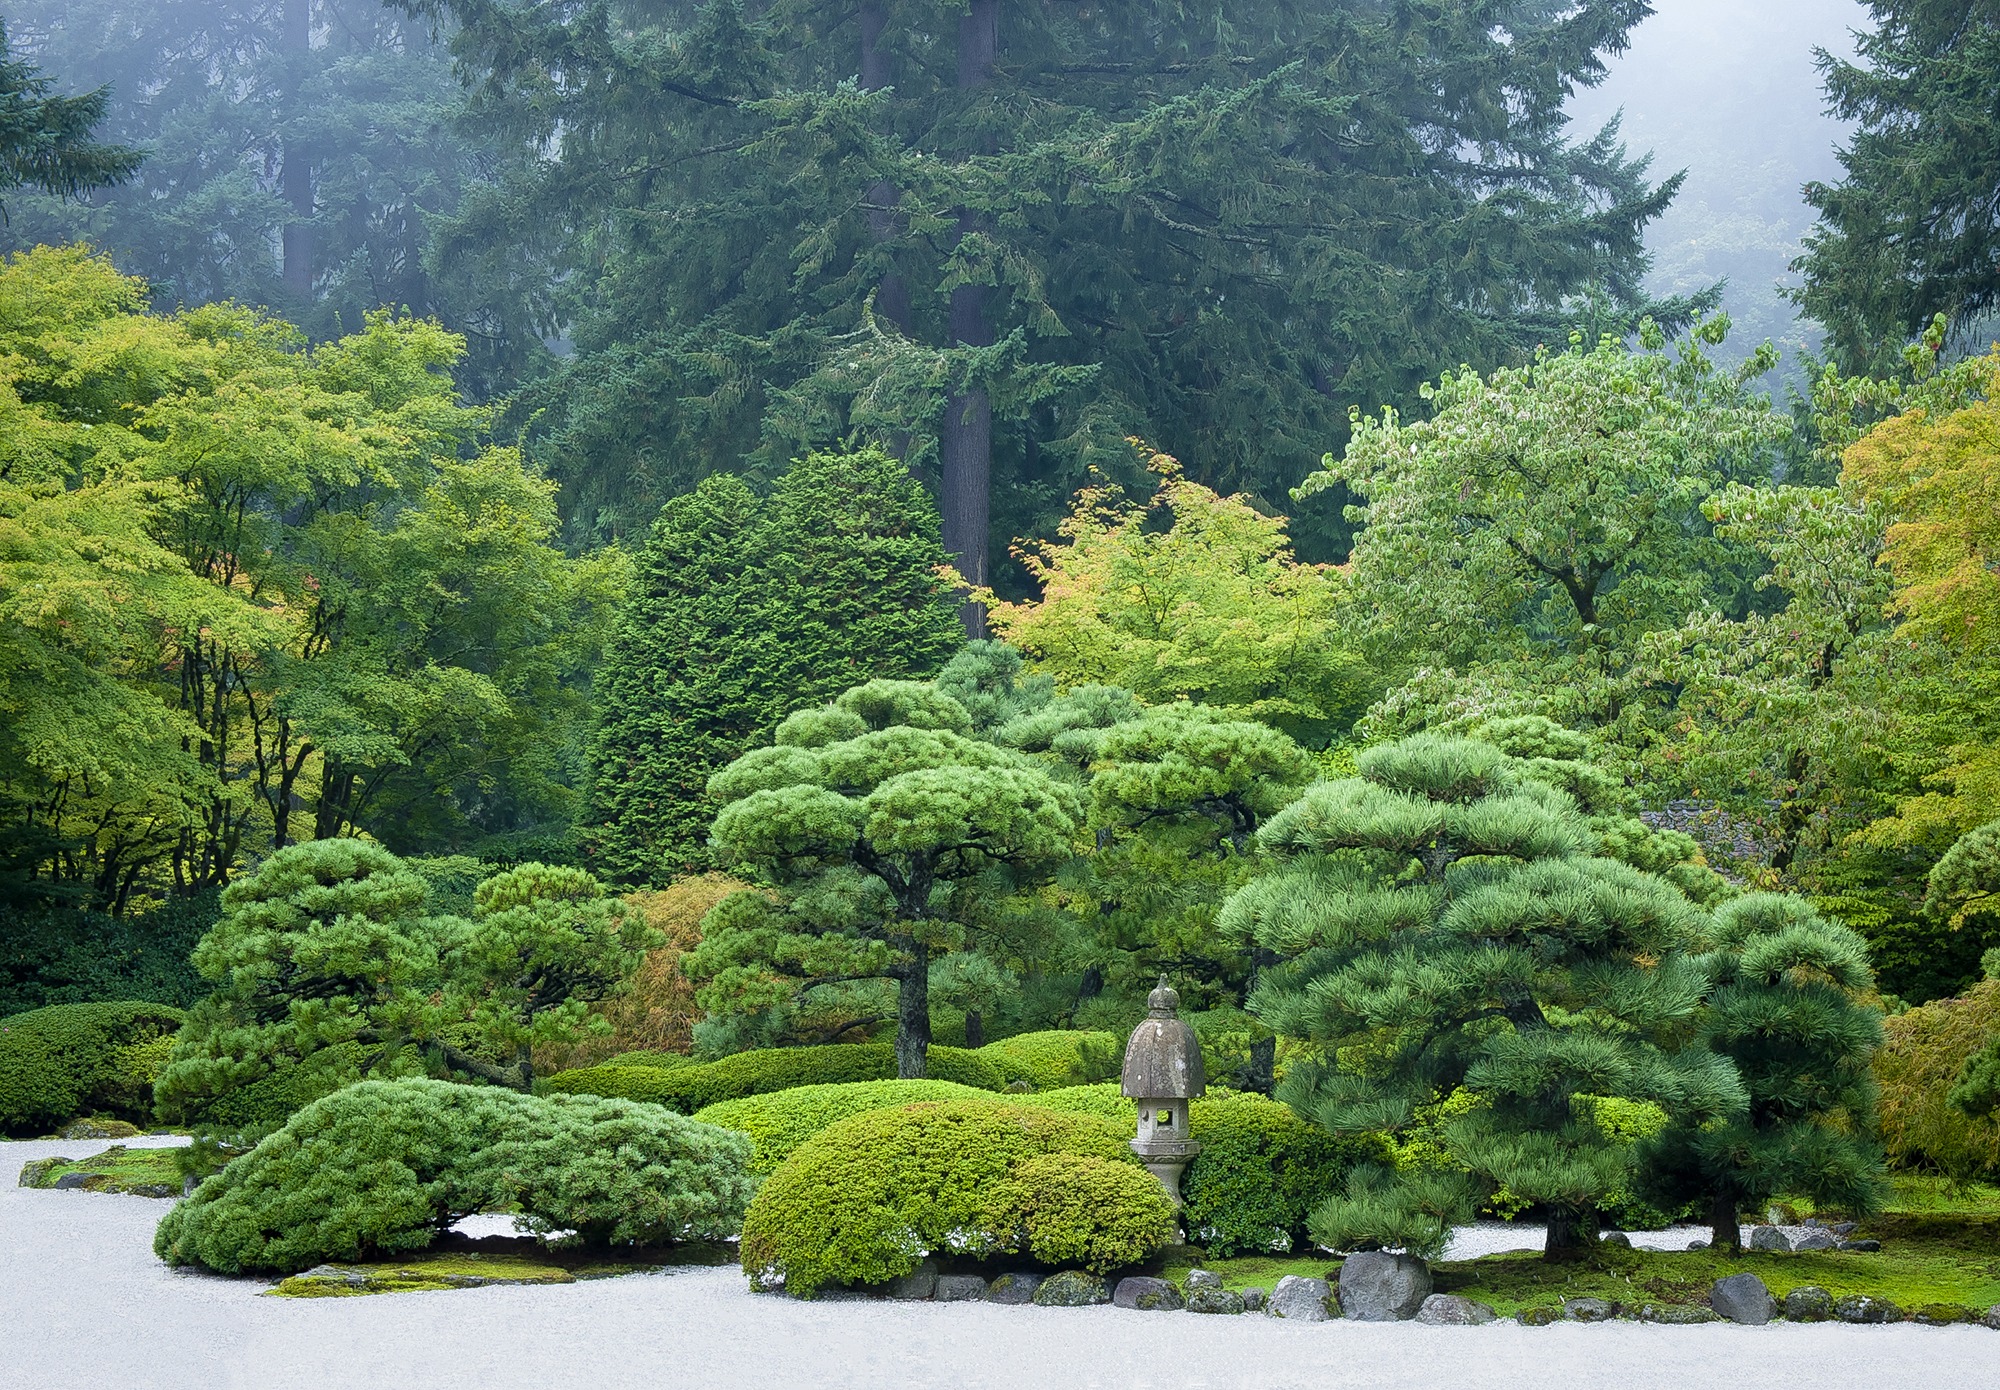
1572	1233
965	444
295	173
1723	1232
913	1017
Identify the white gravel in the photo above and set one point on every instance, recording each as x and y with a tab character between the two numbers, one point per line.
86	1305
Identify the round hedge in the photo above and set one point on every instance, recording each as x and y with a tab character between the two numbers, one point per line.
688	1089
1104	1100
74	1059
386	1166
1261	1170
865	1199
1056	1058
779	1121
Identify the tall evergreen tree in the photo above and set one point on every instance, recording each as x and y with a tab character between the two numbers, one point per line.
1028	233
1785	1006
1913	228
744	608
46	140
1442	927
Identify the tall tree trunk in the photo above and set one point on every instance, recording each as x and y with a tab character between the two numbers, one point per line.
975	1028
295	173
892	292
1571	1233
1723	1232
913	1017
965	443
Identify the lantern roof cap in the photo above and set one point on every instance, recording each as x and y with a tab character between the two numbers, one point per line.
1163	1057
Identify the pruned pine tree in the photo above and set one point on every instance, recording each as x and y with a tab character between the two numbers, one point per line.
1787	1005
876	828
1440	927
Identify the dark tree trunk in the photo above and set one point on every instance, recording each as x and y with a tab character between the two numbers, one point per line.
975	1028
1723	1232
1572	1233
913	1017
892	292
1263	1066
295	173
965	444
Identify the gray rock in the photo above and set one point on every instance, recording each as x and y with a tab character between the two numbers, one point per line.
1538	1317
1203	1279
919	1283
1842	1229
1071	1289
847	1295
1992	1318
1376	1286
1147	1295
1742	1298
959	1288
1860	1247
1301	1299
1617	1238
69	1182
99	1129
1859	1307
1589	1309
1013	1288
1449	1310
1769	1238
1214	1301
1943	1314
1254	1300
1697	1245
1676	1314
1816	1240
1808	1303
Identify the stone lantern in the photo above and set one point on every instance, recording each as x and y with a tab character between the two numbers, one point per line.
1163	1072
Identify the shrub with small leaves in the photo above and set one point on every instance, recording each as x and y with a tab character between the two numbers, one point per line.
1094	1212
1056	1058
780	1121
688	1089
1261	1171
75	1059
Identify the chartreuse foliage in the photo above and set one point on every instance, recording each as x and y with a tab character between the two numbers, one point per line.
1056	1058
1786	1003
865	1199
779	1121
328	946
384	1167
81	1059
766	1070
743	609
881	830
1441	928
1928	1054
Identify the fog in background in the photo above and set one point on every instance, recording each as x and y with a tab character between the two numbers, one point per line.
1727	90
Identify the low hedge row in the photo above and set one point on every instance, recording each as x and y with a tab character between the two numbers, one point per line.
869	1196
1056	1058
691	1088
385	1166
76	1059
780	1121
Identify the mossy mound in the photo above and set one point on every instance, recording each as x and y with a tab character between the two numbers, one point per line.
443	1270
135	1172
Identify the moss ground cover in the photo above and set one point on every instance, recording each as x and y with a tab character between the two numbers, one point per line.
469	1263
141	1172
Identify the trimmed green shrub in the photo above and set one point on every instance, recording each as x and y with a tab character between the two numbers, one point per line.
864	1200
248	1112
1104	1100
77	1059
1057	1058
780	1121
1260	1171
688	1089
1092	1212
659	1061
386	1166
65	955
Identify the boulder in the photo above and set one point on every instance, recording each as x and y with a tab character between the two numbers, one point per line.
1214	1301
1376	1286
1254	1300
1860	1247
959	1288
1538	1317
1589	1309
1203	1279
1013	1288
69	1182
1147	1295
99	1129
1617	1238
1842	1229
1697	1245
1816	1240
1301	1299
1071	1289
1942	1314
1859	1307
1769	1238
1676	1314
1992	1318
1742	1298
919	1283
1449	1310
1808	1303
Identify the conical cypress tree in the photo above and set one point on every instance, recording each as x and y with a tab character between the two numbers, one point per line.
1443	927
1786	1006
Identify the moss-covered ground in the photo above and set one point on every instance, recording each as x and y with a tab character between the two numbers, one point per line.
143	1172
1940	1245
470	1264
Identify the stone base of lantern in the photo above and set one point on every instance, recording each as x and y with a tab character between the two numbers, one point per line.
1166	1162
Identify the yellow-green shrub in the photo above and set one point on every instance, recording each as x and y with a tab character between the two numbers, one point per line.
1056	1058
1104	1100
780	1121
688	1089
1093	1212
1923	1053
864	1200
73	1059
1261	1171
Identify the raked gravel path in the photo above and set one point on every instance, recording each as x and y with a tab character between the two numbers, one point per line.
84	1305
